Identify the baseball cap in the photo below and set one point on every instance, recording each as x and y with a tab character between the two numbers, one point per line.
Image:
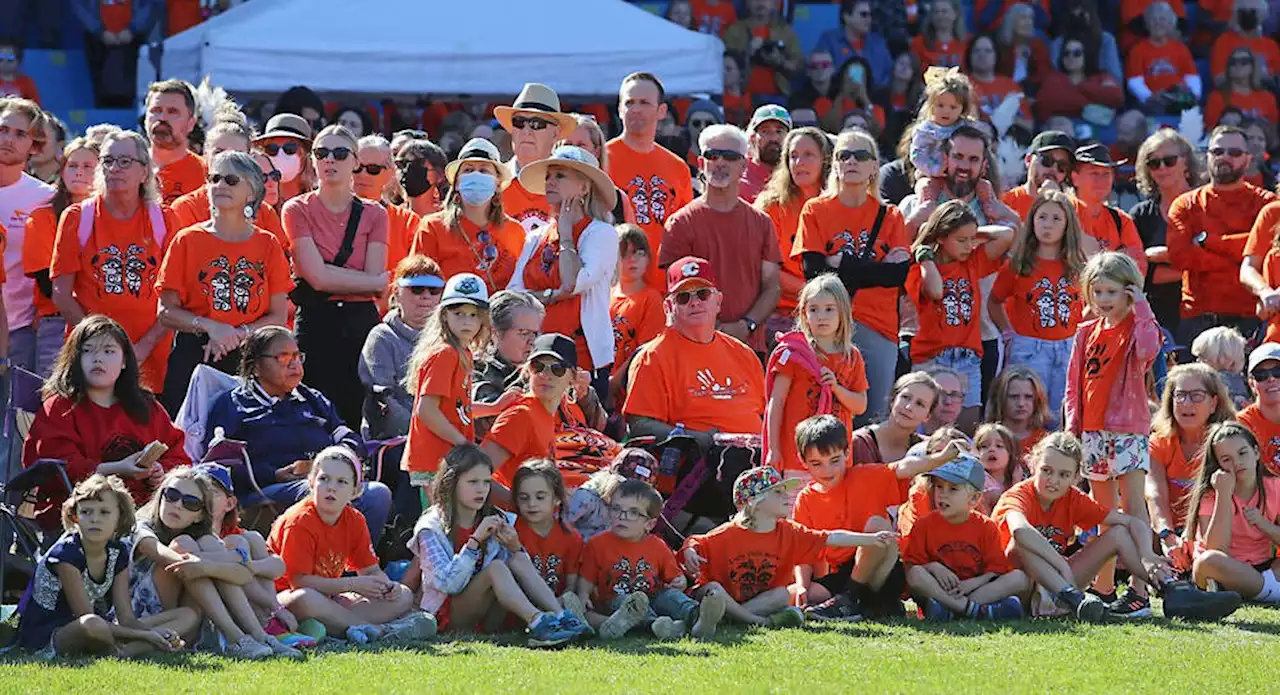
1096	153
465	288
769	112
690	271
420	281
555	345
216	472
961	470
1262	353
634	463
754	483
1052	140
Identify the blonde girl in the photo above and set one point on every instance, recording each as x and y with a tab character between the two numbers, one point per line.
439	377
1036	299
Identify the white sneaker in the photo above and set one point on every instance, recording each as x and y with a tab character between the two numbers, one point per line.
250	649
281	649
634	608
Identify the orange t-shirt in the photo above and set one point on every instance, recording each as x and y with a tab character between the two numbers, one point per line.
1236	223
713	19
1258	103
955	320
183	14
116	14
1058	524
1178	471
827	226
637	319
530	210
1044	305
227	281
115	274
1270	273
37	253
1105	349
556	556
786	224
181	177
1132	9
20	86
747	563
1262	234
193	208
1098	223
657	183
918	505
970	548
865	491
1264	48
462	251
527	431
542	272
991	94
716	385
616	566
760	79
1020	201
401	225
802	397
1161	66
309	546
1267	433
946	54
442	374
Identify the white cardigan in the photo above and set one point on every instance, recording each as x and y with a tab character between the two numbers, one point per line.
598	250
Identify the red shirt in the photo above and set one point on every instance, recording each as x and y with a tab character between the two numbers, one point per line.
1211	270
954	320
754	179
306	217
864	492
747	563
20	86
616	566
557	555
309	546
970	548
944	54
1058	524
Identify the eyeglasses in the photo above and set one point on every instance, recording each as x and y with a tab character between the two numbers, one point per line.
683	298
950	396
1261	375
340	154
284	359
859	155
821	65
1240	60
371	169
522	122
274	148
122	161
557	368
1073	53
8	56
1048	160
1227	151
191	503
626	514
1156	162
231	179
1195	396
726	155
433	291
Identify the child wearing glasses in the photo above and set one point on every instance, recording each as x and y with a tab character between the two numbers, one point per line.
97	418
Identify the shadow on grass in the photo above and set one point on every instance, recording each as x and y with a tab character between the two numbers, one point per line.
976	628
1263	628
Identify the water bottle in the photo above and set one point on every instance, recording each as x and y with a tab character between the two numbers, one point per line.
671	454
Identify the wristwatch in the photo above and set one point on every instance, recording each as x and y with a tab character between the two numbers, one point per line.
751	325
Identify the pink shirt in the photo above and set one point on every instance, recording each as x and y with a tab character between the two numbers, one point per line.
1248	544
306	217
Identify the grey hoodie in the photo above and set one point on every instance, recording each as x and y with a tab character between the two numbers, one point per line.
388	408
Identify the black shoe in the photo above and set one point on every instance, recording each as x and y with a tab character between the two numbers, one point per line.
1183	599
1086	607
1107	598
1130	605
840	607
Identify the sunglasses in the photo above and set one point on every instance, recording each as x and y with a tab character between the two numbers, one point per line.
1073	53
1197	396
8	56
1261	375
274	175
1241	60
274	148
433	291
700	123
522	122
340	154
191	503
726	155
859	155
557	368
371	169
284	359
1048	160
231	179
1227	151
821	65
683	298
490	250
1167	161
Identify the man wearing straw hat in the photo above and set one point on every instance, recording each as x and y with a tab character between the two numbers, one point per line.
535	123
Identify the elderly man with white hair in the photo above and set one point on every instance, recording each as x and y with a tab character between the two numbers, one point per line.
737	239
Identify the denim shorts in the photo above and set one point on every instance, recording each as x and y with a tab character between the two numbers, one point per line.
1047	358
965	361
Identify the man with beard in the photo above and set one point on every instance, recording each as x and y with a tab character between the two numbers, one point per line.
768	128
535	123
737	239
171	116
1051	157
1208	230
21	135
1112	229
655	180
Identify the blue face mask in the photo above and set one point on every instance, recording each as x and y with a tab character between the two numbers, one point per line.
476	188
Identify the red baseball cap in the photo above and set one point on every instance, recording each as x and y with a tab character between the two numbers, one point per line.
689	271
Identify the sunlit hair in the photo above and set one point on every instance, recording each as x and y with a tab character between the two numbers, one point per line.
943	436
242	165
1064	443
336	452
452	212
957	85
377	142
1209	465
1011	15
1224	82
100	488
1023	256
723	130
339	131
1109	265
1220	347
61	199
847	140
149	189
782	188
1142	176
823	433
444	489
229	127
33	113
67	378
416	265
831	286
995	429
175	86
436	334
150	511
595	134
998	395
1164	424
949	218
910	379
547	470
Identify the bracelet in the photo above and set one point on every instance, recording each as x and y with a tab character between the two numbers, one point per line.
244	555
924	253
195	325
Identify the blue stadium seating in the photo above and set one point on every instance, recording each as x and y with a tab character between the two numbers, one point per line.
79	119
810	21
61	76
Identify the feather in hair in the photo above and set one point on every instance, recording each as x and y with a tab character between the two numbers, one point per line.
1191	126
212	102
1003	116
1013	164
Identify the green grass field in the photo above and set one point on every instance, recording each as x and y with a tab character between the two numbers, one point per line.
1238	656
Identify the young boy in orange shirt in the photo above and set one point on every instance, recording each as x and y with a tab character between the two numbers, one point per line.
851	583
955	561
633	575
753	557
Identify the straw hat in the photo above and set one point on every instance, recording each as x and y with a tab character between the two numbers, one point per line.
538	100
534	175
478	150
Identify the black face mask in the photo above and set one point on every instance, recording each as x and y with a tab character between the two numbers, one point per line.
414	179
1247	19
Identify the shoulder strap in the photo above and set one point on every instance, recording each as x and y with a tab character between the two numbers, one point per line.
154	212
875	231
1115	217
349	239
158	229
86	221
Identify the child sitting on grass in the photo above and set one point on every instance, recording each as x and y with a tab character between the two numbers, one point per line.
629	577
588	507
752	558
956	565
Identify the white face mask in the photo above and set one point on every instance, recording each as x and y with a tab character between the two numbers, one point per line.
290	165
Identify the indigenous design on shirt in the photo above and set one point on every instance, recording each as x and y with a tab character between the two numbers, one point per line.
628	580
1052	533
330	563
957	301
549	568
119	272
754	578
649	199
962	558
708	385
1096	359
845	242
1053	303
233	285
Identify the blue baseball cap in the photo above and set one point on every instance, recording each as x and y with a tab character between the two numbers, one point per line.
420	281
962	470
217	472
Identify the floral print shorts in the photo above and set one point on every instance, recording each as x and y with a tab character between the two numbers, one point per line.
1109	455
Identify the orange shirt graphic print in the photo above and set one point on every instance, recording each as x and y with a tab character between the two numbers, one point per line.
651	198
233	286
124	272
709	386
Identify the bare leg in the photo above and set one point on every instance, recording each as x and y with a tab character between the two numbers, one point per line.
1115	542
184	621
1105	493
309	603
1133	499
1013	583
1227	571
744	613
532	583
924	585
874	563
817	594
234	598
88	634
379	611
1040	569
494	584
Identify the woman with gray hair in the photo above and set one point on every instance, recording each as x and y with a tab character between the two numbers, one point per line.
109	247
222	279
517	321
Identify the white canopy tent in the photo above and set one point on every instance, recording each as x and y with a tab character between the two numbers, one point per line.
477	47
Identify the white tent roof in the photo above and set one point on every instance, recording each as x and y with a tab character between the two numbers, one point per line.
480	47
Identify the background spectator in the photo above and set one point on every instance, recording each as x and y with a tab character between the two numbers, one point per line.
1077	83
1078	19
1167	166
991	89
1245	30
113	33
1241	87
1161	75
1023	55
856	38
769	45
942	36
13	83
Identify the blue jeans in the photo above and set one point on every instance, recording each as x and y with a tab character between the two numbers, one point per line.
670	603
374	502
22	348
966	362
1047	358
880	357
51	332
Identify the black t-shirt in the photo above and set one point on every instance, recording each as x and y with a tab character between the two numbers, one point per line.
1152	228
894	182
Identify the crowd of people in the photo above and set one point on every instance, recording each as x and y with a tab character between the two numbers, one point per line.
552	381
